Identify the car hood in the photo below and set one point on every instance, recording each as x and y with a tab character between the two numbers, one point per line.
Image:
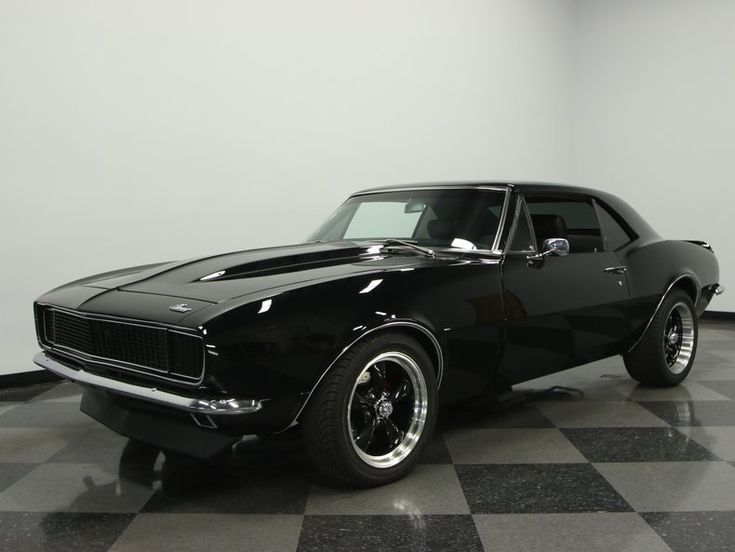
207	281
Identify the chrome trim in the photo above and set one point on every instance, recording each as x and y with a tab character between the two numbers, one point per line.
688	338
718	289
204	420
660	302
426	331
553	247
501	225
519	211
129	366
108	317
220	407
419	187
616	269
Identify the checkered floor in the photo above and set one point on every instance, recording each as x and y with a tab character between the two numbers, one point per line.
617	467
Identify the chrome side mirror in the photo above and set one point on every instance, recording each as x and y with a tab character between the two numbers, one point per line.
553	247
558	247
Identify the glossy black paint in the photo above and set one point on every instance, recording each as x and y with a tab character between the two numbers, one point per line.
277	319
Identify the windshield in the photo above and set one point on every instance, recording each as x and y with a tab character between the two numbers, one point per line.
462	218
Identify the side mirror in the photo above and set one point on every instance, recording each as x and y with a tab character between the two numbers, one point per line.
558	247
553	247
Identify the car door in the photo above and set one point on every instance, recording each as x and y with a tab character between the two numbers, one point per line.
560	311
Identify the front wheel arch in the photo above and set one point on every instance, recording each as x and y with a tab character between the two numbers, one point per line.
423	335
331	438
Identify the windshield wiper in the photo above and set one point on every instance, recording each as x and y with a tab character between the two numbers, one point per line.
425	250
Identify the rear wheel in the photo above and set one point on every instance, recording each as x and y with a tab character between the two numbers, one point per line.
374	412
665	354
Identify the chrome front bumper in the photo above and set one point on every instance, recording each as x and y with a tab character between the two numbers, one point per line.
221	406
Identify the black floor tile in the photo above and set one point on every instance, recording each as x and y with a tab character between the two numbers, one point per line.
694	413
389	534
62	532
538	488
636	444
10	473
695	531
25	393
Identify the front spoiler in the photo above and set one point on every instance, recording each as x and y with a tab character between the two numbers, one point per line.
192	405
166	430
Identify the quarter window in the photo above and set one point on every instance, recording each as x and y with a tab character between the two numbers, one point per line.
522	237
616	235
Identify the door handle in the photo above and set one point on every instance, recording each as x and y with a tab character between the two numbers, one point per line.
616	269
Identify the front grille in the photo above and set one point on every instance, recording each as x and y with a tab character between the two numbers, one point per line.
150	349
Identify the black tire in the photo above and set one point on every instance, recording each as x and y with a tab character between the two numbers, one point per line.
350	440
650	362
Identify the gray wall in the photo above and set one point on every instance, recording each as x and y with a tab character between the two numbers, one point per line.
139	131
654	116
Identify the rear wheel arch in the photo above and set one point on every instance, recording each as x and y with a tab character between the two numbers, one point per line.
689	284
665	353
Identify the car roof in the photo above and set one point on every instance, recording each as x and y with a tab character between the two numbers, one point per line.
629	215
523	186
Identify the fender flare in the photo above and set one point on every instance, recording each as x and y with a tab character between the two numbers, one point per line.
392	324
685	275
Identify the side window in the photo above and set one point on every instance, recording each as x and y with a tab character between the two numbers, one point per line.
616	235
522	240
573	218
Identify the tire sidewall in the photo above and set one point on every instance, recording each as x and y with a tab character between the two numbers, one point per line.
366	352
667	306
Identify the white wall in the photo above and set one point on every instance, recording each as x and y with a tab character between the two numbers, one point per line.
136	131
655	115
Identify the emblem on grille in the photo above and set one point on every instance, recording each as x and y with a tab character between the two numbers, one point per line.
181	307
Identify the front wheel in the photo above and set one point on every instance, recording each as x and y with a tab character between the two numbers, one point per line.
665	354
374	412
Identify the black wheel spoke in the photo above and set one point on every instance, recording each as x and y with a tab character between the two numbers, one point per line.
377	380
401	392
673	337
362	401
365	436
394	434
388	409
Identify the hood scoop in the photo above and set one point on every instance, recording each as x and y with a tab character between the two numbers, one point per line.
286	263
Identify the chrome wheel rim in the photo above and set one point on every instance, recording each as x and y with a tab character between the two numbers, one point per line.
678	338
388	408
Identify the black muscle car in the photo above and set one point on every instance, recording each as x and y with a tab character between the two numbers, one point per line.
404	298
